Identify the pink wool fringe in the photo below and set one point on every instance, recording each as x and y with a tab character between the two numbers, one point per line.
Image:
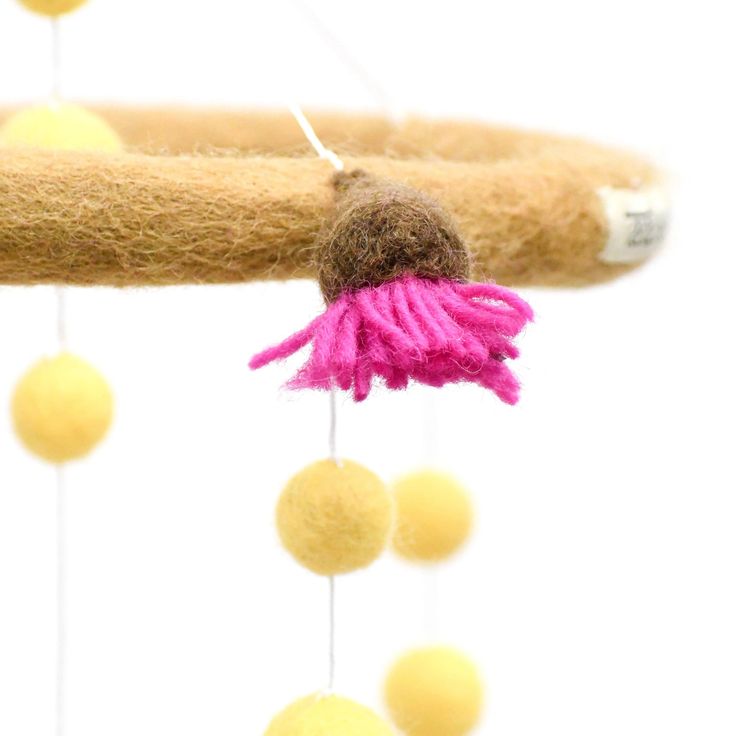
433	332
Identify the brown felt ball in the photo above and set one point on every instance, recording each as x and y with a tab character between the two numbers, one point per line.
381	230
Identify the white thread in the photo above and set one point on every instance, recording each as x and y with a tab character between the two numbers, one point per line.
313	138
429	406
334	457
61	317
55	60
60	550
344	54
336	161
431	599
332	635
61	526
332	435
60	601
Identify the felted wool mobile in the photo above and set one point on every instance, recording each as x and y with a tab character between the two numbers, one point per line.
415	243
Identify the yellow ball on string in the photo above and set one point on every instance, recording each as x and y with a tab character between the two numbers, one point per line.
334	518
434	516
52	8
435	691
62	408
327	715
60	127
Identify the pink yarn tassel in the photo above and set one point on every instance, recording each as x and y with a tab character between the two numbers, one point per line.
431	331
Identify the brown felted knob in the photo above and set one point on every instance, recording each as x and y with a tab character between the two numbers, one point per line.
382	230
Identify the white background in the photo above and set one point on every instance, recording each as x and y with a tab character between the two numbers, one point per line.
598	591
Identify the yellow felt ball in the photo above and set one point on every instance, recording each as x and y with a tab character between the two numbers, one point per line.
434	516
334	518
62	407
435	691
52	7
60	127
328	716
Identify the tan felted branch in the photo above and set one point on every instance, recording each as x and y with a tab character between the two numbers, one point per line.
525	204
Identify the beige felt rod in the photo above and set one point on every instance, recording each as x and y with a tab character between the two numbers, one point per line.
139	220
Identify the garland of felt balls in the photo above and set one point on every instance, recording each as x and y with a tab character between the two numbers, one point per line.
433	690
62	407
334	517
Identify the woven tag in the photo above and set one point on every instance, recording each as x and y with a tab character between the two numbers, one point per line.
637	221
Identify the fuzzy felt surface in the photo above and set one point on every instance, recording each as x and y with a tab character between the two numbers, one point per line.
335	518
434	516
60	127
62	408
52	8
411	329
381	230
525	203
435	691
328	715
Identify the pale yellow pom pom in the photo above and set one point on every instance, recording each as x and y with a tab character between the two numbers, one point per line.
334	518
434	692
60	127
328	716
52	7
62	407
434	516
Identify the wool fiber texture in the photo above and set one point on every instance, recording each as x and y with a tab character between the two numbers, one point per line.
383	230
525	203
410	329
62	408
59	127
335	518
434	516
392	270
328	715
435	691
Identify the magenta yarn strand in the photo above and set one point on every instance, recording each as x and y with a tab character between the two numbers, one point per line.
436	332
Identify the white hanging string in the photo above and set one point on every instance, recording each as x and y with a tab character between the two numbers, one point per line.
431	600
332	633
325	153
61	317
55	60
61	656
349	60
397	115
61	526
334	457
313	138
430	576
429	426
60	601
332	434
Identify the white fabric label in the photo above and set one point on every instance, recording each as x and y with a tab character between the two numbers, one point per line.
637	221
